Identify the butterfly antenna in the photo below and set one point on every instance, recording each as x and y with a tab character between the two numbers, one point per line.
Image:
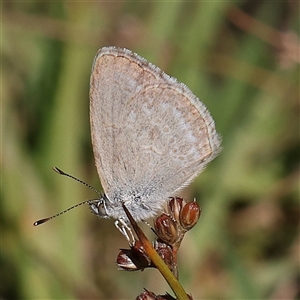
59	171
41	221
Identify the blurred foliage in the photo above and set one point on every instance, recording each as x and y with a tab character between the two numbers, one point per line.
241	58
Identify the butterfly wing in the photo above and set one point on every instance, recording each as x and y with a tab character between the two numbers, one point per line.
151	136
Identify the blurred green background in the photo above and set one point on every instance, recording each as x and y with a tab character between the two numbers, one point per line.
240	58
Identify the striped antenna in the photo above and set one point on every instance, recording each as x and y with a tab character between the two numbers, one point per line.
59	171
41	221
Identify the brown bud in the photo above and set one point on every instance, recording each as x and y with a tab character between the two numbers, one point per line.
125	262
147	295
174	206
166	253
133	259
166	228
190	215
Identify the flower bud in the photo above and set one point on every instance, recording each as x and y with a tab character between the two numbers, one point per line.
174	206
133	259
166	229
147	295
190	215
166	253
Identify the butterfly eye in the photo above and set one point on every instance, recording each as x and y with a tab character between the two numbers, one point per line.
101	208
98	207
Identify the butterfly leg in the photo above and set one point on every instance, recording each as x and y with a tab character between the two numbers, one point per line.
123	227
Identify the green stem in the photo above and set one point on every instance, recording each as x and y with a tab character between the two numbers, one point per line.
157	260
